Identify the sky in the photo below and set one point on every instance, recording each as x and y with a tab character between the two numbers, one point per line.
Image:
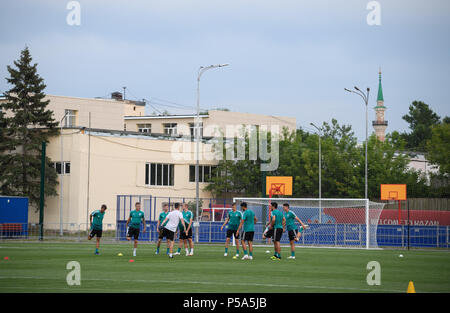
287	57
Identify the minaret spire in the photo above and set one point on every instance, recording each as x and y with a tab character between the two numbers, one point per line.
380	124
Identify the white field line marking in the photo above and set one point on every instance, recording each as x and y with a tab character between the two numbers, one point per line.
205	283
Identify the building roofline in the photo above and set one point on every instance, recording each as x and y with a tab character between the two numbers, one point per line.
152	117
135	134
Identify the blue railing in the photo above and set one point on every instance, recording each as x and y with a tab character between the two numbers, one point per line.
323	235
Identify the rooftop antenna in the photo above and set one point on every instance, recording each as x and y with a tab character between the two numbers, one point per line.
124	92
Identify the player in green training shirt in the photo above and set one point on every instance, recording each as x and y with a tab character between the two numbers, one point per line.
96	220
187	236
248	221
160	228
134	224
275	229
293	232
234	219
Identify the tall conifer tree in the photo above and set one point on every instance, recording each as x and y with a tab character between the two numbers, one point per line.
26	123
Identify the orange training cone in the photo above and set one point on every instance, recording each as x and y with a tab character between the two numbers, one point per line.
411	288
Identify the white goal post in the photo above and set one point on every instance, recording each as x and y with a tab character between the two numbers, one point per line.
351	223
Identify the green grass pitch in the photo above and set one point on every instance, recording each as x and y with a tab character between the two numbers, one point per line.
41	267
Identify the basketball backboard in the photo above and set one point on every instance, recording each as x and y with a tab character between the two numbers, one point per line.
279	185
393	192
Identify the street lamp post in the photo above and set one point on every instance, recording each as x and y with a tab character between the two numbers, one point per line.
201	70
61	178
320	172
365	97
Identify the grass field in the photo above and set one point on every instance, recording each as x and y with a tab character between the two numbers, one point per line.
41	267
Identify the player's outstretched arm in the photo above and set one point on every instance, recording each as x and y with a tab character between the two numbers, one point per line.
225	223
284	224
128	221
300	221
143	222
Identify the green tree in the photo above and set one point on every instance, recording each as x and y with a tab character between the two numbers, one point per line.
439	146
421	120
25	128
236	177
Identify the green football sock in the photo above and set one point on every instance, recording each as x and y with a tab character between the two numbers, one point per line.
292	253
245	252
179	250
226	250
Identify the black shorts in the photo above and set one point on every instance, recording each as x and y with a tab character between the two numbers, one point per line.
247	235
231	232
183	235
95	232
161	233
133	232
274	233
168	234
292	234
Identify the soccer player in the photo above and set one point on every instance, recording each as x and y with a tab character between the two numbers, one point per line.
160	227
275	229
182	237
96	221
187	236
134	222
248	220
234	219
171	223
293	232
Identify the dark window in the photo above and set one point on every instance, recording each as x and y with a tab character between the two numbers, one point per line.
58	167
192	173
66	167
205	173
159	174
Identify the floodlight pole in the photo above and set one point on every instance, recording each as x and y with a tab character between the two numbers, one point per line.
62	178
365	97
201	70
320	172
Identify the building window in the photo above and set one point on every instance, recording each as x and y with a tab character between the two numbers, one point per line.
157	174
192	128
170	128
70	120
205	173
65	168
144	128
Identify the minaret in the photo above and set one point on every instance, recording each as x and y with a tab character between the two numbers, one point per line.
380	124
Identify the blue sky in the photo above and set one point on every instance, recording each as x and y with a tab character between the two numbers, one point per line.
287	58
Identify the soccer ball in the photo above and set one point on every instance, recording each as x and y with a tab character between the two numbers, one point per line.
235	258
267	251
120	254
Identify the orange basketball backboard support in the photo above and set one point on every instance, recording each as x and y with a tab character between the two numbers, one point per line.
393	192
279	185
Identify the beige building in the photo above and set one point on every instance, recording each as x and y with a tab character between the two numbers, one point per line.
109	148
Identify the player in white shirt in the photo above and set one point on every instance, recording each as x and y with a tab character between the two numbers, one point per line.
173	219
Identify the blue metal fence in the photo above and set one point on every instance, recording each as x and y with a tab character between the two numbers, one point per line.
318	234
